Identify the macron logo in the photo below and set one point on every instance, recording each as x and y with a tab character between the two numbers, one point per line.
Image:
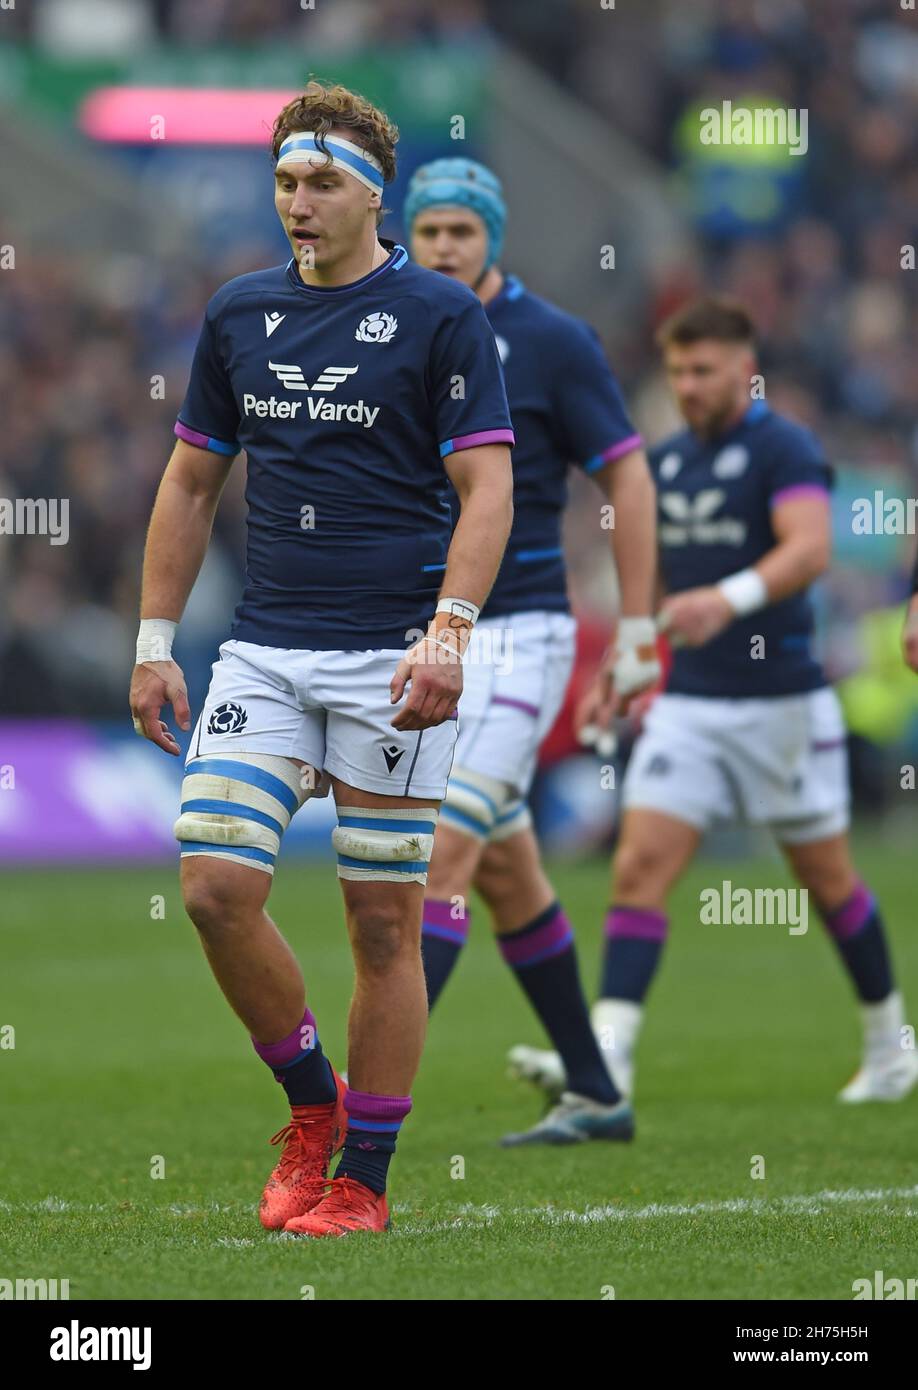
292	377
273	321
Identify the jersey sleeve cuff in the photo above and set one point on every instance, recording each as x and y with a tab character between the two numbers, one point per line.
472	441
614	451
205	441
787	494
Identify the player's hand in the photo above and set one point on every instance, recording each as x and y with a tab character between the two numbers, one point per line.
435	676
910	635
154	684
695	616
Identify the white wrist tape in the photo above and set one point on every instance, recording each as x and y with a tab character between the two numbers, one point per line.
635	632
154	640
745	591
460	607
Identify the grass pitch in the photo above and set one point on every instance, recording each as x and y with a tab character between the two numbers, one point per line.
127	1062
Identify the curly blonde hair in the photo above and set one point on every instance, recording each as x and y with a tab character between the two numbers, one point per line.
325	106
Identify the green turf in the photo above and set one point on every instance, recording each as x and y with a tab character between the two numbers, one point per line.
124	1050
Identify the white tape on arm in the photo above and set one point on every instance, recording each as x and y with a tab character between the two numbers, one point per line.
460	608
154	640
745	591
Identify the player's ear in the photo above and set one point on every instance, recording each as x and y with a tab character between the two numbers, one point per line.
375	200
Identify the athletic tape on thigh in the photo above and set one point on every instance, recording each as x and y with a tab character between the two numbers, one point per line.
236	806
473	802
514	817
387	846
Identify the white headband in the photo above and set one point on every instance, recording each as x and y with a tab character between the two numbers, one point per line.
350	158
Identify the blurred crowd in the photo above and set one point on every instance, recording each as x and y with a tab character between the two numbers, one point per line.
94	357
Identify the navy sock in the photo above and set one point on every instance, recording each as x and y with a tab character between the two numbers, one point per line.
634	939
857	930
443	936
373	1126
543	958
300	1065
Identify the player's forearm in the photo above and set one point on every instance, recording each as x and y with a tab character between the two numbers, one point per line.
177	541
479	541
634	534
792	565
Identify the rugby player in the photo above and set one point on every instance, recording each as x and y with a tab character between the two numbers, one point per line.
747	729
566	407
338	374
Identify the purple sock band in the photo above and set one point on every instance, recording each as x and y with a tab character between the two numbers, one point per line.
637	922
440	921
361	1105
291	1048
848	919
535	944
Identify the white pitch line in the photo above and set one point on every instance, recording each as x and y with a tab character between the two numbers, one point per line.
803	1202
470	1216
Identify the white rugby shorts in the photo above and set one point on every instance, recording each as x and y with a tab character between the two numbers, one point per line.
780	762
330	709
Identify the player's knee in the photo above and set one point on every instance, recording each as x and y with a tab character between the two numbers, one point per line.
213	899
453	862
496	879
381	938
639	871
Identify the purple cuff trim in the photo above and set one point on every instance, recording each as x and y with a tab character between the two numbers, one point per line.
205	441
472	441
822	745
289	1049
361	1105
614	451
636	922
516	704
848	919
798	490
624	446
529	947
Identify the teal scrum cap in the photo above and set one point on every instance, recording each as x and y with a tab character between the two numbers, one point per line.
462	182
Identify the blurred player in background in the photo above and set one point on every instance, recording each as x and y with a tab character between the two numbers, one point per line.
334	373
566	406
747	728
910	631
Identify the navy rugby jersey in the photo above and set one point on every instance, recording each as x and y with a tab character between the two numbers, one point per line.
347	401
714	501
566	408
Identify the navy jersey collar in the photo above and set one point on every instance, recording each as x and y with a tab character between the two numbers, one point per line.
511	289
396	259
756	412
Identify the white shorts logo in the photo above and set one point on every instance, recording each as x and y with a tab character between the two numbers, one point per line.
376	328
